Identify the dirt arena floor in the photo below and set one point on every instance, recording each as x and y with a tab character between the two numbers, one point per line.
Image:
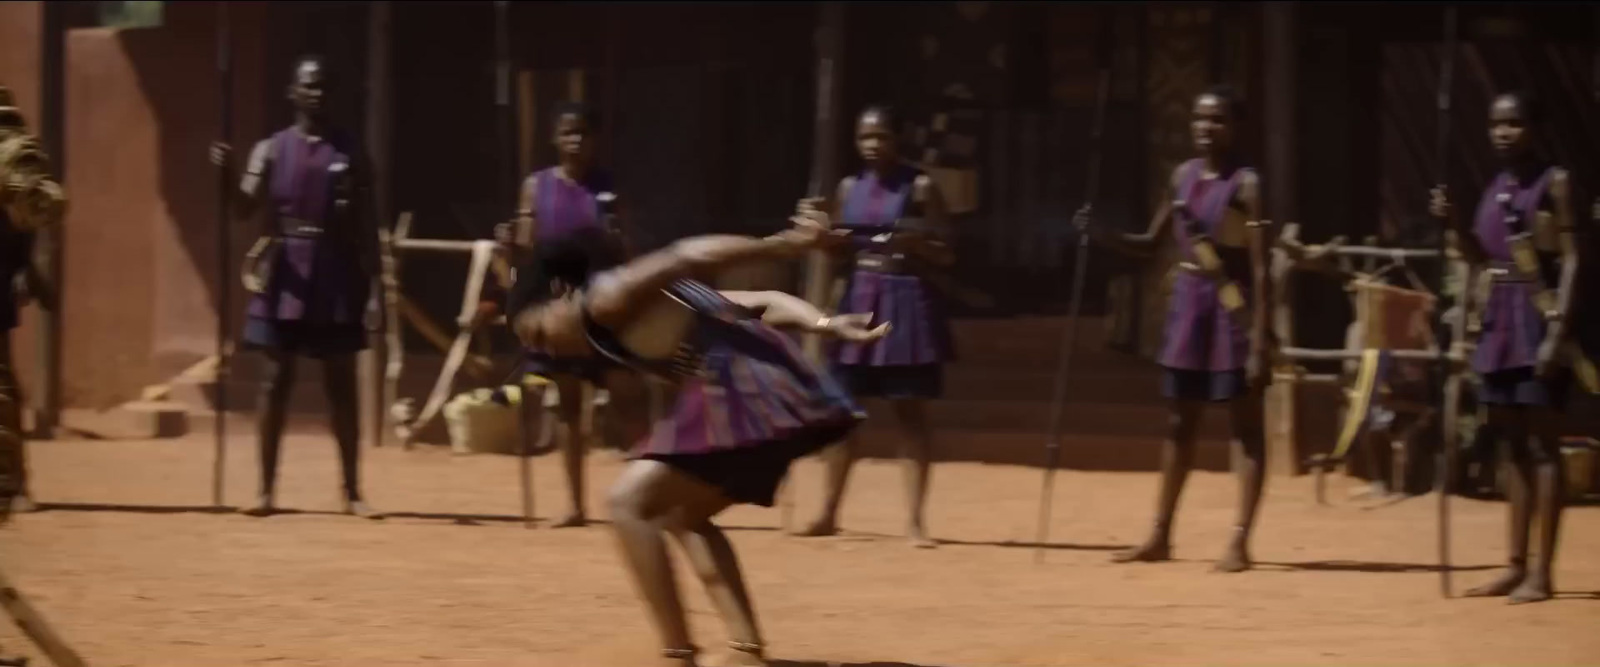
456	580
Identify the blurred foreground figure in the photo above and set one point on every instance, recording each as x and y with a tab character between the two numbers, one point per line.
30	200
748	405
310	273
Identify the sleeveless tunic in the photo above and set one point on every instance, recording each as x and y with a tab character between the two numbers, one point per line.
748	403
563	209
317	294
1199	334
1513	326
920	333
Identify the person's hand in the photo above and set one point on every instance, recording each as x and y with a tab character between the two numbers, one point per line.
220	152
1545	362
811	205
1438	203
853	327
21	290
811	231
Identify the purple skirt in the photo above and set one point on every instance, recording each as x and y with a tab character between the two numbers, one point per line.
317	281
919	331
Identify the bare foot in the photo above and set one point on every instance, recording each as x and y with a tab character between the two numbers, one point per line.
1155	550
1502	586
920	540
361	509
263	507
819	528
574	520
1534	588
1235	559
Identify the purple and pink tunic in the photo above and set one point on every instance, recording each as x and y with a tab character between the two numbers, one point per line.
1200	335
919	332
748	404
562	209
317	285
1513	326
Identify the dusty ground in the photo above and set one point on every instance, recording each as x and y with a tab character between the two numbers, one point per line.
143	585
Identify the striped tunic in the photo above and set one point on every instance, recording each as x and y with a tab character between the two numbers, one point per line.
741	383
1199	334
1513	327
316	276
919	331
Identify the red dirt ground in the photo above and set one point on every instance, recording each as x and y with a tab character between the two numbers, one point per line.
1337	585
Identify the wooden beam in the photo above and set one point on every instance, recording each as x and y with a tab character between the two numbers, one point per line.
824	141
51	239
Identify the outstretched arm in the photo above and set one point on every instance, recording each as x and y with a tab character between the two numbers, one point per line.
787	311
614	295
1142	244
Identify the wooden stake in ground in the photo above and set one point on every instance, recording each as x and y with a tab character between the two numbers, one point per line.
35	627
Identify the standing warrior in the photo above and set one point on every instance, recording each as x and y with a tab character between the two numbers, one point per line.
572	200
1524	233
747	406
30	200
310	273
1216	341
896	219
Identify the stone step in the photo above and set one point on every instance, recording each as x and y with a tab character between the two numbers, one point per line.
138	420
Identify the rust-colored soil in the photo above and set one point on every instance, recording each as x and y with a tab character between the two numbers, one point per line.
1336	585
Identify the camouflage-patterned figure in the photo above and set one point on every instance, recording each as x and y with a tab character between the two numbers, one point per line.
29	201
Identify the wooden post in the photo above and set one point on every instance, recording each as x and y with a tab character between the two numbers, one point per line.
1284	451
52	131
379	98
824	142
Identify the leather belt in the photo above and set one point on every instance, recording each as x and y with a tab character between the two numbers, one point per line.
879	263
300	228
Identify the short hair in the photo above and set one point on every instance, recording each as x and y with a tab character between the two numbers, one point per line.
570	258
571	108
1527	104
1228	97
886	114
307	59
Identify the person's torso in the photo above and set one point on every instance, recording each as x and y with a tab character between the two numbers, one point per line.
310	176
1508	208
562	206
873	204
1206	207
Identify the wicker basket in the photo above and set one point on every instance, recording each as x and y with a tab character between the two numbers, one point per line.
480	425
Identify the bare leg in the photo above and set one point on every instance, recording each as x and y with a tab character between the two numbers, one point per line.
1512	426
648	500
713	559
917	458
573	448
276	382
339	383
1249	449
838	460
1177	458
1545	452
13	447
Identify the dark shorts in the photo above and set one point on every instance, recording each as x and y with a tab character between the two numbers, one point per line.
302	338
1206	386
751	474
1519	387
920	381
